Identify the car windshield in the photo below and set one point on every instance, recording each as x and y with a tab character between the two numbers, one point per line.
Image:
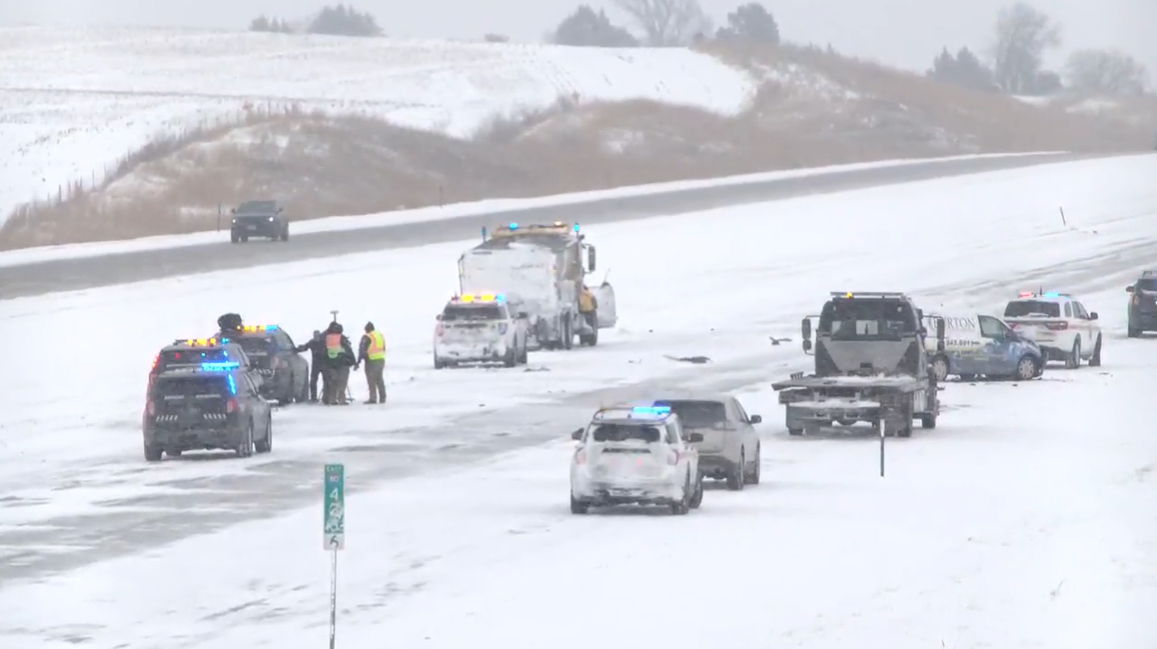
867	318
255	345
1022	308
257	207
1147	284
624	432
698	414
462	313
186	386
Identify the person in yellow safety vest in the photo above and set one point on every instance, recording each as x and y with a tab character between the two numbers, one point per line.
588	305
372	350
339	356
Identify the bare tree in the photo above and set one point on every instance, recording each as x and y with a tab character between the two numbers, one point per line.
1023	34
1106	72
667	23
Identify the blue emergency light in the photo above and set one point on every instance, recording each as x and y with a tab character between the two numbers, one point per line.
232	384
1052	294
513	226
219	366
654	411
576	227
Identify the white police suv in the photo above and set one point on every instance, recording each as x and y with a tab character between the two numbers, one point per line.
1059	324
635	455
479	328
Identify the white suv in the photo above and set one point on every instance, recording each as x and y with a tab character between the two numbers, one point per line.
635	455
1059	324
479	328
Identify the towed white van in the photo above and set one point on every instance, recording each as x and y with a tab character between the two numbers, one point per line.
978	345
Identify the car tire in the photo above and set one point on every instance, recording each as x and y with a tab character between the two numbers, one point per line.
1025	369
795	432
173	452
511	358
927	422
266	445
245	447
245	238
234	237
757	468
1095	359
735	475
438	363
152	453
697	499
1133	333
524	356
578	507
285	233
1073	361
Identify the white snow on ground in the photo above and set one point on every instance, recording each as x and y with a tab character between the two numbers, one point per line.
79	250
1021	521
75	100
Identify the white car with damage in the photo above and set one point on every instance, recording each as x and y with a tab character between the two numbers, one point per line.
479	328
635	455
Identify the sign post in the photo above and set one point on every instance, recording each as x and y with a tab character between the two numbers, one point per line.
883	432
333	533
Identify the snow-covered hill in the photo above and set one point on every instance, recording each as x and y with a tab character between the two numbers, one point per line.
75	100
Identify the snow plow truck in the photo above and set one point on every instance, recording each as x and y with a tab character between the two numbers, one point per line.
540	268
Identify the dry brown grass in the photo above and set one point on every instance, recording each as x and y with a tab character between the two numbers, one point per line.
320	165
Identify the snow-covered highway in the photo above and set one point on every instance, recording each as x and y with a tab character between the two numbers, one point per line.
1027	518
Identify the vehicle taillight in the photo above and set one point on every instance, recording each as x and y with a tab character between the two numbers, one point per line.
439	330
1057	326
673	458
231	406
1136	299
152	408
580	456
156	359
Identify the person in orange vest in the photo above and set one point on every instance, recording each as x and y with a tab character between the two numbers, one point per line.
372	350
339	356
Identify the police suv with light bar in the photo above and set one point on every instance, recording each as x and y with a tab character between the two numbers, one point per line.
212	405
1059	324
273	355
635	455
479	328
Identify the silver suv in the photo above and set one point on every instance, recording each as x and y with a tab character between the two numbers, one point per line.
730	448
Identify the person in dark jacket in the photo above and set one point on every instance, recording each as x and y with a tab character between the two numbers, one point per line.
316	348
229	326
339	358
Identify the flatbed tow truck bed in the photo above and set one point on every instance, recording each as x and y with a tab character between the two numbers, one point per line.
813	402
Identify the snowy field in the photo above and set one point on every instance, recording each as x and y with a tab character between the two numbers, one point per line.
74	100
1025	519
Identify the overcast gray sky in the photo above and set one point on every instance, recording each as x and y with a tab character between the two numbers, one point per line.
907	33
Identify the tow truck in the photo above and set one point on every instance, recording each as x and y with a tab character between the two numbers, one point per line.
540	269
871	365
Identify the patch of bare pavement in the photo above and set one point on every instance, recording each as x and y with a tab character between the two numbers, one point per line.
91	272
183	506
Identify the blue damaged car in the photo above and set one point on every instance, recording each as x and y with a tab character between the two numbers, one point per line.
977	345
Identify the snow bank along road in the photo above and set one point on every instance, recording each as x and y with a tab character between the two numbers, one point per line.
1024	519
88	272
